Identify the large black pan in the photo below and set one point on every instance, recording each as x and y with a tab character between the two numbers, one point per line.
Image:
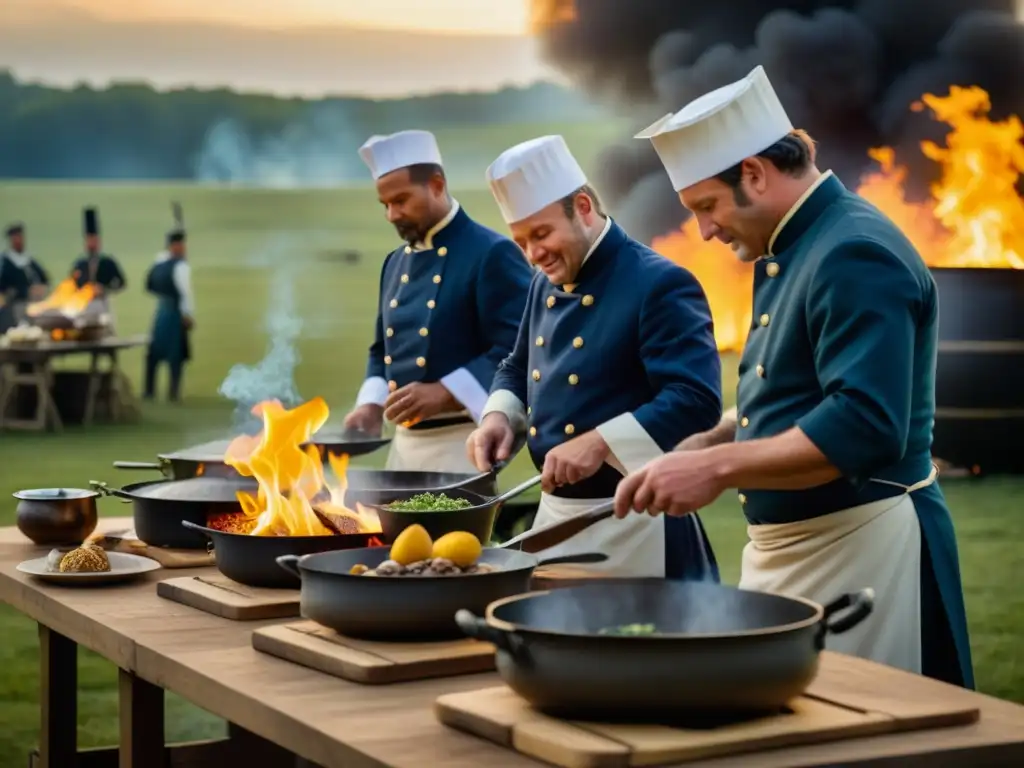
406	607
159	506
252	560
208	458
718	650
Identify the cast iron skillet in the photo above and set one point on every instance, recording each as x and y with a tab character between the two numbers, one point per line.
718	650
477	519
252	560
208	458
159	506
405	608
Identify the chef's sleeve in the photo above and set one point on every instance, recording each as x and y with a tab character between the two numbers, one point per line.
862	311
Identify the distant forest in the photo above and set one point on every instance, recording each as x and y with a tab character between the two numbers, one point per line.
132	131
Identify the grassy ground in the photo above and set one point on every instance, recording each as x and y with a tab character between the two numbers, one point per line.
246	246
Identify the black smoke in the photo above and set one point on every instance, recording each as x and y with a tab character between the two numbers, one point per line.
846	71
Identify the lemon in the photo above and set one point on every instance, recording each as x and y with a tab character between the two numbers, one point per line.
460	547
411	545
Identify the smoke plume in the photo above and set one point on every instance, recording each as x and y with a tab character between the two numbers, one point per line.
318	150
847	71
273	377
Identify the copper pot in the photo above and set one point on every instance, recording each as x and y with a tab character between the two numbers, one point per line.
53	516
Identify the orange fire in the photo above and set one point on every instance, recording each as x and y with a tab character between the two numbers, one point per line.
545	14
67	298
291	475
974	219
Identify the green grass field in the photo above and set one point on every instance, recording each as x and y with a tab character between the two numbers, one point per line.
245	246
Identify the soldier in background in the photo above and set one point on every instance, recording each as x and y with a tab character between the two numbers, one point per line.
95	267
170	280
22	279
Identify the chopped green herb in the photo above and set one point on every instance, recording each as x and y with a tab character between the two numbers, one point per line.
629	629
428	502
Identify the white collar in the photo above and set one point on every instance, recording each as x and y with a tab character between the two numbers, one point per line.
568	287
796	207
20	260
427	244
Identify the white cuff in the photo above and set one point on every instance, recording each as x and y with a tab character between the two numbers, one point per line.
504	401
467	390
631	446
374	390
730	415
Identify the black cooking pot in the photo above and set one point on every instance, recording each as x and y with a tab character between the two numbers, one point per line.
717	650
160	506
252	560
53	516
406	607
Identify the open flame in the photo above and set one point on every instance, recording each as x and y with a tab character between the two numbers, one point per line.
291	475
974	219
67	298
545	14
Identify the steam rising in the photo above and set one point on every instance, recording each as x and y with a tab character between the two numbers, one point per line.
318	150
273	377
847	71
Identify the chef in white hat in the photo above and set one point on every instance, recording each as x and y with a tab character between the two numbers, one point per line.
615	363
451	297
830	447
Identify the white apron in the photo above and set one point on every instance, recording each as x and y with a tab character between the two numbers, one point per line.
635	545
876	545
442	449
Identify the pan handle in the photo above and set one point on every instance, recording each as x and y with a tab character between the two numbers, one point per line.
511	493
137	465
478	629
575	557
195	527
860	604
105	490
291	564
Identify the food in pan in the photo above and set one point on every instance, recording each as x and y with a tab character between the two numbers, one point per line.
428	502
232	523
630	630
414	554
84	559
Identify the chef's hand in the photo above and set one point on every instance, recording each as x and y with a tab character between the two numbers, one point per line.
38	291
490	442
697	441
573	461
674	484
417	401
368	418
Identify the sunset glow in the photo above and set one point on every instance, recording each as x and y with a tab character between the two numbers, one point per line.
504	17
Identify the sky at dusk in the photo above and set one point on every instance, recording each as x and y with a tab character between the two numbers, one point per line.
289	47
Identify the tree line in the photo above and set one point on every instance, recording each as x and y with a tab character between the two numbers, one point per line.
133	131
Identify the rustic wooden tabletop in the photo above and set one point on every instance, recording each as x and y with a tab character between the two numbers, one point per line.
333	723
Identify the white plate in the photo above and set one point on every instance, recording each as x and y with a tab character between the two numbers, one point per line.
123	567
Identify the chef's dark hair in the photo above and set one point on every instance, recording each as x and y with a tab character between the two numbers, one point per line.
569	201
792	154
422	173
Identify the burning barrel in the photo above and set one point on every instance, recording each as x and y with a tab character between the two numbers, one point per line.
979	389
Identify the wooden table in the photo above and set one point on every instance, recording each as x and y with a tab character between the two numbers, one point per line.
160	645
33	367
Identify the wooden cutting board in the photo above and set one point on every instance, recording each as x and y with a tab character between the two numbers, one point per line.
371	662
832	710
219	595
127	542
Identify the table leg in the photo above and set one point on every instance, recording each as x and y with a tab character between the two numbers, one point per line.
142	722
93	391
58	698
